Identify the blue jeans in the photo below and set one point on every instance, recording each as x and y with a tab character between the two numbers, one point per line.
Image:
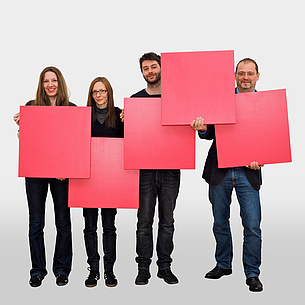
36	190
109	237
250	212
163	184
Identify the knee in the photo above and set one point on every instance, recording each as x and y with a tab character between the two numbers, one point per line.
109	229
252	228
220	226
36	227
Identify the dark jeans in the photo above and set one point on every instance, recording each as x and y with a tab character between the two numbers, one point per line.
163	184
36	190
109	237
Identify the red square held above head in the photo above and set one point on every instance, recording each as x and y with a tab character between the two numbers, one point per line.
148	144
198	84
54	142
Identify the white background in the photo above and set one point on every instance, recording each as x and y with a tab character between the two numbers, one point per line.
85	39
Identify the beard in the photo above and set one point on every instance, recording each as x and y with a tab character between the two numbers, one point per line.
247	85
154	81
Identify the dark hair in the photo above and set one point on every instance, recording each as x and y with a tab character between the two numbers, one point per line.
110	119
62	98
150	56
245	60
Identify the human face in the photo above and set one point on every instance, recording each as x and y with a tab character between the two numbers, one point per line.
100	95
246	76
50	84
151	71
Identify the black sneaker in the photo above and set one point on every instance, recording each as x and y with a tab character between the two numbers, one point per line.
167	276
35	280
110	279
92	278
142	277
62	280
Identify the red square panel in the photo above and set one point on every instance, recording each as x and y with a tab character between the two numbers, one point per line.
198	84
148	144
110	186
261	132
54	142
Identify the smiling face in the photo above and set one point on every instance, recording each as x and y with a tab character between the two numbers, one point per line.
50	84
100	95
246	76
151	71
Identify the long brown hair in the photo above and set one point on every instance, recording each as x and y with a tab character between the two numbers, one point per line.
62	98
110	118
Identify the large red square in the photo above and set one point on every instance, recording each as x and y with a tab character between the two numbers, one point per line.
148	144
261	132
54	142
198	84
110	186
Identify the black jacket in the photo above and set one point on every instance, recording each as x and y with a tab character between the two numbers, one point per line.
214	175
100	130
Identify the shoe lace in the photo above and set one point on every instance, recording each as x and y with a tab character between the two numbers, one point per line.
93	274
109	275
38	277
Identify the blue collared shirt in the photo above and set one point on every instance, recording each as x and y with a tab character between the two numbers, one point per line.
237	91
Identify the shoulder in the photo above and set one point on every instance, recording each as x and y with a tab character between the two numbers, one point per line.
117	111
30	103
141	93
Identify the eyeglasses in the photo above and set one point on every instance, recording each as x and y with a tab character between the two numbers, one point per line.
250	74
100	92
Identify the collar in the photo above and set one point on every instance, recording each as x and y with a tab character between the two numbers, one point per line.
237	91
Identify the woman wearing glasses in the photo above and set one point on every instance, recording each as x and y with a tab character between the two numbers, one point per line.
105	123
51	91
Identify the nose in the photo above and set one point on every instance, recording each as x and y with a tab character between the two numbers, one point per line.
50	84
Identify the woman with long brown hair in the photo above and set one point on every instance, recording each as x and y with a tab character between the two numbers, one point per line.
51	91
105	123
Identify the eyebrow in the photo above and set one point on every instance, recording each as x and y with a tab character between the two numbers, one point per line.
153	65
242	70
